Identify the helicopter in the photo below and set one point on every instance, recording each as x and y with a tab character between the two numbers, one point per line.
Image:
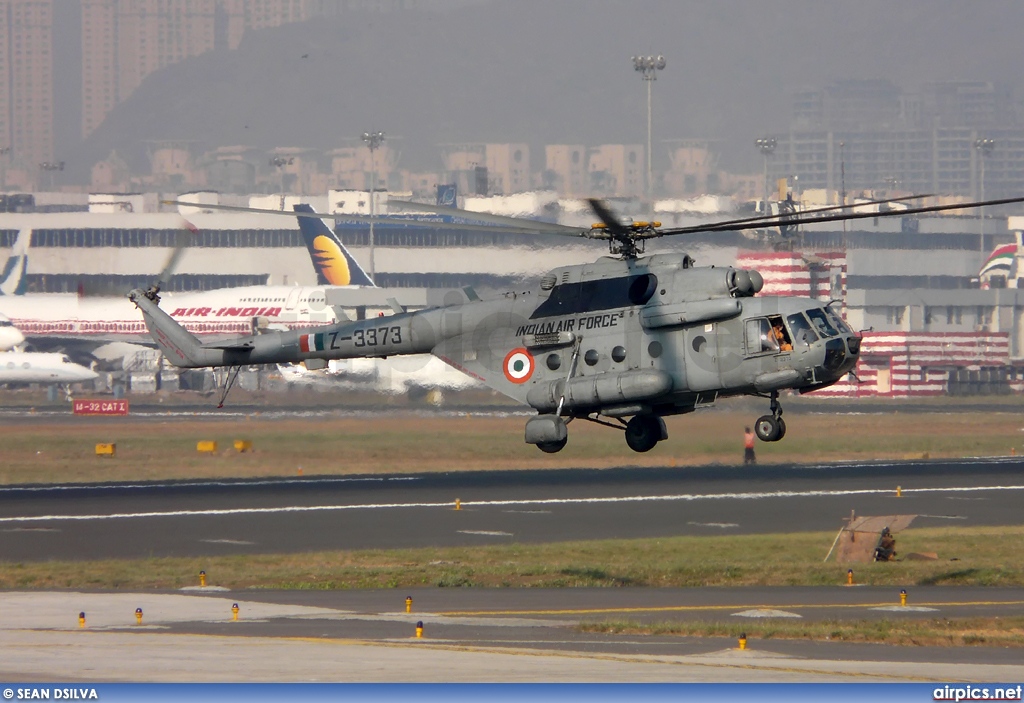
624	341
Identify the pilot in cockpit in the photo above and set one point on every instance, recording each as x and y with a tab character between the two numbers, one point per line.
779	336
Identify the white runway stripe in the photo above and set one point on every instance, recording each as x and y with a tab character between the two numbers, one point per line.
204	484
485	503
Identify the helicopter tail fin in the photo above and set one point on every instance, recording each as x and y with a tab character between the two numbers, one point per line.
178	345
14	277
334	265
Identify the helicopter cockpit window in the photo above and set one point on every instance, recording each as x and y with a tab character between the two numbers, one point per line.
821	324
802	332
837	321
767	334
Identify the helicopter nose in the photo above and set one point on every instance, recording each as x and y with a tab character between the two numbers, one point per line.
835	355
853	342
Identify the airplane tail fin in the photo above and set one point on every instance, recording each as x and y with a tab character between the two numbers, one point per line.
333	263
14	277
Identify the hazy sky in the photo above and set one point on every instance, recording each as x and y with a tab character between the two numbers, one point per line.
555	71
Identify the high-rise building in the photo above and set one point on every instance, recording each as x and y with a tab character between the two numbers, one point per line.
616	169
26	81
871	135
566	169
123	41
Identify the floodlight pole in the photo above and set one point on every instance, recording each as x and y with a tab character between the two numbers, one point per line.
767	147
984	147
648	66
373	140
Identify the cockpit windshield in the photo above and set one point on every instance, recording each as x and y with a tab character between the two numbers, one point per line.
837	321
802	332
65	360
821	323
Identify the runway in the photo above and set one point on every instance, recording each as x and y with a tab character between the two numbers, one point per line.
202	518
469	635
486	634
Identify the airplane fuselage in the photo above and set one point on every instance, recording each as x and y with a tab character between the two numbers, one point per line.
225	313
34	367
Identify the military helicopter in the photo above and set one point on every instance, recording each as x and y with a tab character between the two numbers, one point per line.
624	341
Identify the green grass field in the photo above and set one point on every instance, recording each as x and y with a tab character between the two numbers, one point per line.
977	556
936	632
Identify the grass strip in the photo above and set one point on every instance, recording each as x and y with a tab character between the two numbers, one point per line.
974	556
407	443
936	632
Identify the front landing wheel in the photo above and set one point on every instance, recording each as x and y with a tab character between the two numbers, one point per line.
643	432
767	428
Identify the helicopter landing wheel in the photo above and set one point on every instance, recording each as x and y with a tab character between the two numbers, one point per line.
782	429
769	429
643	432
552	447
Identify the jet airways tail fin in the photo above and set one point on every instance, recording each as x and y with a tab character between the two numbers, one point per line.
333	263
14	277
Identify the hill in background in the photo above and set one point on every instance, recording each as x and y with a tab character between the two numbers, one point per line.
553	72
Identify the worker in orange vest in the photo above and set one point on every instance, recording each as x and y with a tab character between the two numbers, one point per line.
748	447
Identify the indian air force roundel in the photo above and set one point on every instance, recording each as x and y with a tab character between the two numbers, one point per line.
518	366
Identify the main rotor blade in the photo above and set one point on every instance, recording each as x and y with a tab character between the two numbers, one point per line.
498	223
771	220
538	226
605	214
183	238
796	220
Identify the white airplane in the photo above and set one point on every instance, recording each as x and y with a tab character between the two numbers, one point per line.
10	336
35	367
72	322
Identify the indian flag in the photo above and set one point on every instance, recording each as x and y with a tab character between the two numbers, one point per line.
1000	261
311	342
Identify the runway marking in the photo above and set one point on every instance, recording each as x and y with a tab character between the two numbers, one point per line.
227	541
204	484
494	503
695	608
714	524
485	533
766	613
